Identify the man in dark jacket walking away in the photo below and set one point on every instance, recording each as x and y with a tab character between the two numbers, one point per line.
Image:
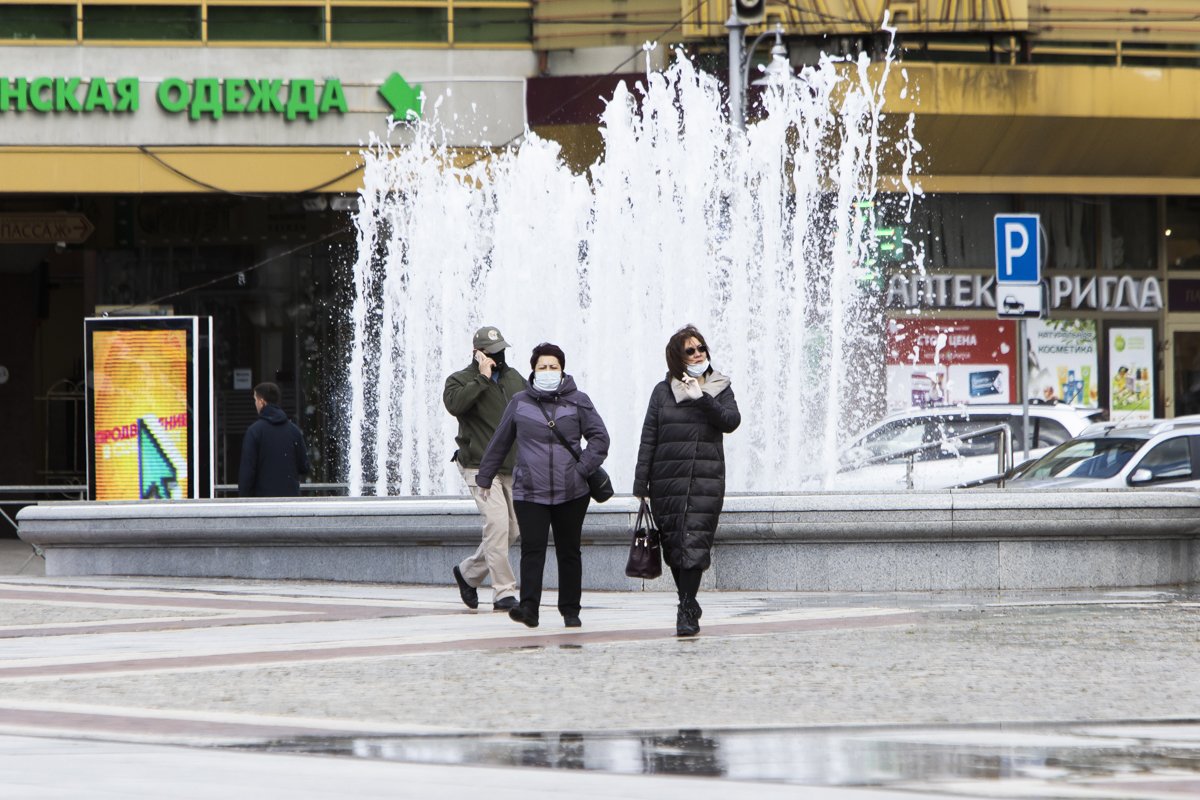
477	397
273	452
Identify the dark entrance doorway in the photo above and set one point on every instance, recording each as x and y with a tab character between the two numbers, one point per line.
1185	354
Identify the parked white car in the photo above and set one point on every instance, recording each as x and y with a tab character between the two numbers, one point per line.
1156	454
865	465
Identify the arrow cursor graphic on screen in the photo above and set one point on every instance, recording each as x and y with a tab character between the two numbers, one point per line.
156	474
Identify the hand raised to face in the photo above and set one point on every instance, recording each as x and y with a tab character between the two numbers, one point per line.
486	364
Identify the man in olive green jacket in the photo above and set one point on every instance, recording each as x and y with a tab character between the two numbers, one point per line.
477	397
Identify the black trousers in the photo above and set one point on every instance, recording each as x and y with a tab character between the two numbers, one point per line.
535	521
687	581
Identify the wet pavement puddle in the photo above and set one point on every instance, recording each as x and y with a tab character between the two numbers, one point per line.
1142	758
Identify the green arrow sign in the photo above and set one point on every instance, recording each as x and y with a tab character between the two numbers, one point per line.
405	100
156	474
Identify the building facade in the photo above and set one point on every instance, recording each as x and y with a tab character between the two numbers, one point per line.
202	158
1085	114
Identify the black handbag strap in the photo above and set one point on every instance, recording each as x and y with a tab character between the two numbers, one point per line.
644	513
550	424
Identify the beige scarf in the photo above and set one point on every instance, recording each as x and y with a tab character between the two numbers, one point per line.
713	385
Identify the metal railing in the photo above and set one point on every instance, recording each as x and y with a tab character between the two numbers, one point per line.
29	495
1003	452
330	489
19	494
14	495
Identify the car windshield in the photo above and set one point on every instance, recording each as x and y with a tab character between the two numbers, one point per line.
892	437
1084	458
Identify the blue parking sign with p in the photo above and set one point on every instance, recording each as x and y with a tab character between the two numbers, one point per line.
1018	249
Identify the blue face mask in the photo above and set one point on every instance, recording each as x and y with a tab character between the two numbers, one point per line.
696	370
547	380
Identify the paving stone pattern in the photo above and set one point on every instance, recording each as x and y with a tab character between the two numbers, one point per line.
134	663
1029	664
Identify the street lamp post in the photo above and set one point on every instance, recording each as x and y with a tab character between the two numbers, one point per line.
779	68
743	14
737	87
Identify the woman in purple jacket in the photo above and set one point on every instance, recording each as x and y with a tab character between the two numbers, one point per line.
550	488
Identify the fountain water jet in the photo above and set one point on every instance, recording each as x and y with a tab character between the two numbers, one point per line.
762	239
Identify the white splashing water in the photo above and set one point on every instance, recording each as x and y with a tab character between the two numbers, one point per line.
759	238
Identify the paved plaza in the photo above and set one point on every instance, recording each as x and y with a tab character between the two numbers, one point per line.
154	687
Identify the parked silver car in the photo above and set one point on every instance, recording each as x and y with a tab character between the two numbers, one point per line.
866	463
1157	454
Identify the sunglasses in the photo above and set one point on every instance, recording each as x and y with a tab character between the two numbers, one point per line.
691	351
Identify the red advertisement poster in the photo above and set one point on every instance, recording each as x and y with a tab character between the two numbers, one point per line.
950	361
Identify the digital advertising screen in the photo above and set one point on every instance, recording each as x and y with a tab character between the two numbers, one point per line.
145	408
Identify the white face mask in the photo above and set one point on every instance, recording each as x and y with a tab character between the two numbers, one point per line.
696	370
547	380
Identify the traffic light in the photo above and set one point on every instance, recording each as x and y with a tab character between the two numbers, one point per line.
750	12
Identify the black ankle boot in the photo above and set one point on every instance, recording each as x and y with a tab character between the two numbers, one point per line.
685	623
525	615
697	611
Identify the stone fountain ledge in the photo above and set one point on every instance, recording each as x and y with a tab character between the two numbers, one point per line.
919	541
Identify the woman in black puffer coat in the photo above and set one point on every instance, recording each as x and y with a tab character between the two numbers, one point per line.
681	464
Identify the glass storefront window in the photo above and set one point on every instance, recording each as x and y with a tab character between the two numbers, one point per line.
1128	232
37	22
1182	233
493	24
1185	346
285	321
1070	225
142	22
265	24
956	230
365	24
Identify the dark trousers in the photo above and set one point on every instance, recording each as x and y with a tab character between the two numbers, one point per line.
687	581
535	521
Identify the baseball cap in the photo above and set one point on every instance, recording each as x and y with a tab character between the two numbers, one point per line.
489	340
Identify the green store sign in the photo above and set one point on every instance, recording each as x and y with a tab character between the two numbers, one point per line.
200	98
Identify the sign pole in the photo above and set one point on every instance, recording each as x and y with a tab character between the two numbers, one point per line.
1019	291
1023	367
